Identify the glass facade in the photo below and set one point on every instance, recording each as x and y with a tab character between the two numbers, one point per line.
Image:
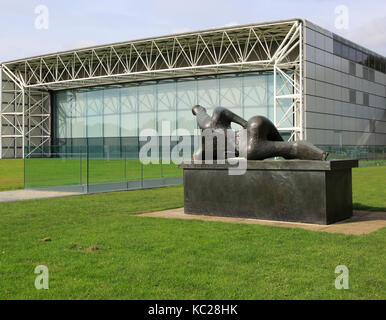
109	119
359	56
96	145
96	141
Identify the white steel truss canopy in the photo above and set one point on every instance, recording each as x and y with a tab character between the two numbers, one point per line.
276	46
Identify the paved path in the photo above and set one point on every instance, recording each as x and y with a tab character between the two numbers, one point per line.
362	222
18	195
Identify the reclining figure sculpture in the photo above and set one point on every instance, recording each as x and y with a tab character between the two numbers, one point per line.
262	141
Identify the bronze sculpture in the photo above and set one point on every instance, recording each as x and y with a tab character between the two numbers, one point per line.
263	140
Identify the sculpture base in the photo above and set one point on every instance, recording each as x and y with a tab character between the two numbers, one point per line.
318	192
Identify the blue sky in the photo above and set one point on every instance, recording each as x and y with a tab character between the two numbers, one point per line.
80	23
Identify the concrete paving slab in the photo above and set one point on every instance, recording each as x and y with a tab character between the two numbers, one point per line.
362	222
19	195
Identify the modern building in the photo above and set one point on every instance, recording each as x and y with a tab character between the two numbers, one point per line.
311	83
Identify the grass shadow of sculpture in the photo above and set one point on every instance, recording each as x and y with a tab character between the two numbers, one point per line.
363	207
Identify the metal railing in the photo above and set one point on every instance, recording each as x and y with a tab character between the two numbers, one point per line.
92	172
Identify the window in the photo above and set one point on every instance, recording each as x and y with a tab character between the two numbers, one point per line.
365	59
352	54
371	75
366	99
114	115
372	125
353	96
352	68
379	64
337	48
383	67
372	62
365	73
345	51
359	57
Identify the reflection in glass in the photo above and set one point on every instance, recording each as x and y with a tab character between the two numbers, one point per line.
103	117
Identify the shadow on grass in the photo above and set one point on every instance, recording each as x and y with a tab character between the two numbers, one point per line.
360	206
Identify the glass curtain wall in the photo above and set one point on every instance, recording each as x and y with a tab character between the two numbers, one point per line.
110	118
97	130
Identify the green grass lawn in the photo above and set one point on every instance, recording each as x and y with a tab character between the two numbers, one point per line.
59	171
149	258
11	174
369	192
369	188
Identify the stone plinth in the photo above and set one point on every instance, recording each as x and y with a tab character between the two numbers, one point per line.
317	192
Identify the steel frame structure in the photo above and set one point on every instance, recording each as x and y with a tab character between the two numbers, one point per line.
26	113
276	46
11	117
